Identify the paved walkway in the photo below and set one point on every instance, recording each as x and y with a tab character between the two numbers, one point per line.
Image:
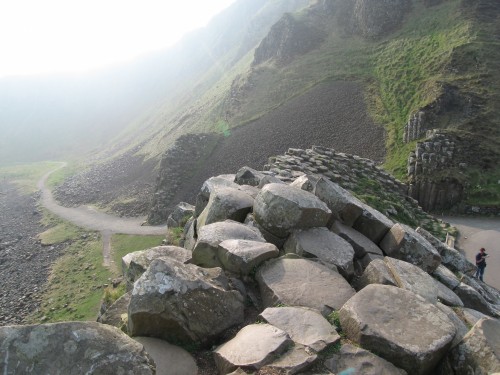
477	232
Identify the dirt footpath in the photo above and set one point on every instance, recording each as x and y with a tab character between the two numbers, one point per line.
477	232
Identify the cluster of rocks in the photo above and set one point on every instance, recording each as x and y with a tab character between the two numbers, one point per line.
24	262
311	261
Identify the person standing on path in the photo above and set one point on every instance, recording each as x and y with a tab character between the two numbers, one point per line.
480	263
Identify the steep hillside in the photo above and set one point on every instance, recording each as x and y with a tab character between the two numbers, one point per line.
421	65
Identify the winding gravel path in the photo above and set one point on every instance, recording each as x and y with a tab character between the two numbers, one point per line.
89	218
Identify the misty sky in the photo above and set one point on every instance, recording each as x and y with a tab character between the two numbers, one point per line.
51	36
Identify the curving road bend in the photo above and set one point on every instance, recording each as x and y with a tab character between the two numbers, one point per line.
477	232
89	218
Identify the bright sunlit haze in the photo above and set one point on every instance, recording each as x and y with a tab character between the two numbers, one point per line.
54	36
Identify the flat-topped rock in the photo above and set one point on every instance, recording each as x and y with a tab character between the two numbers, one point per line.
252	347
330	248
71	348
361	361
302	282
445	276
248	176
169	359
457	321
183	303
398	325
402	242
280	208
243	256
210	185
376	272
136	263
205	252
471	298
304	326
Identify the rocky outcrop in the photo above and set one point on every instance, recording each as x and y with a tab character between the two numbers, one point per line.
71	348
182	159
287	38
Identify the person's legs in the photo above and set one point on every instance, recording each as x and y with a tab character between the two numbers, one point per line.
481	272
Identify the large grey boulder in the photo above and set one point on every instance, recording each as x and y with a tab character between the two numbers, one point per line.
136	263
399	326
451	258
361	244
345	207
302	282
325	245
471	316
243	256
252	347
351	357
205	252
402	242
180	215
376	272
448	296
225	203
281	208
71	348
268	236
489	293
248	176
479	351
183	303
474	300
413	278
445	276
373	224
210	185
116	315
304	326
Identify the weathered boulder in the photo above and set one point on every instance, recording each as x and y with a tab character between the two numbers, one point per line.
398	325
376	272
448	296
471	316
281	208
445	276
330	248
489	293
402	242
248	176
210	185
302	282
361	361
306	182
190	235
296	360
479	351
205	252
169	359
412	278
136	263
71	348
373	224
252	347
345	207
180	215
183	303
269	179
225	203
361	244
304	326
451	258
268	236
243	256
367	259
474	300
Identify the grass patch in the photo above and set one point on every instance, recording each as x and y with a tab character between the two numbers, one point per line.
26	176
58	177
123	244
75	286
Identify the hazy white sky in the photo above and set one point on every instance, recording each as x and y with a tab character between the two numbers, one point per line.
47	36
